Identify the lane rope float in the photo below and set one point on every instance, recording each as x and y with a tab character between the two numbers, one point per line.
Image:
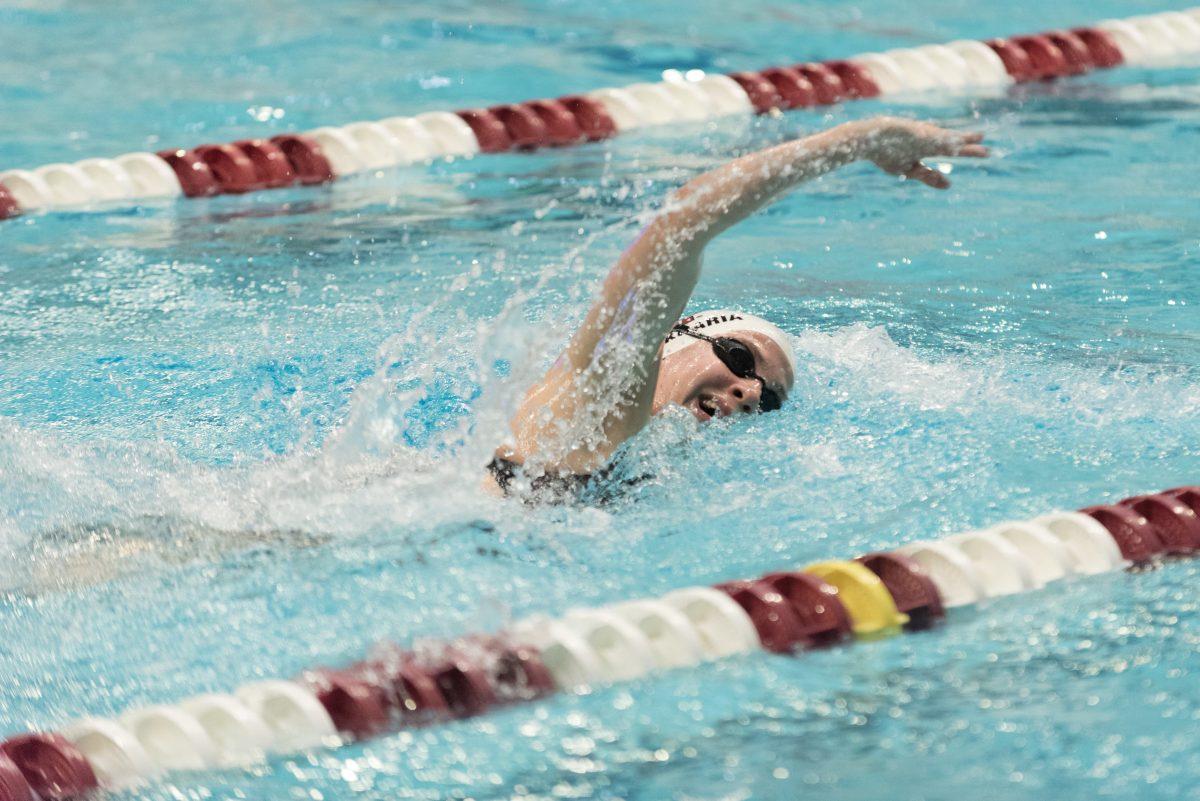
328	153
877	595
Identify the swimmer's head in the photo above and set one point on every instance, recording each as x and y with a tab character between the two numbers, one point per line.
692	375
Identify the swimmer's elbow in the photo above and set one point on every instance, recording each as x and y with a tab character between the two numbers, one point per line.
683	227
704	207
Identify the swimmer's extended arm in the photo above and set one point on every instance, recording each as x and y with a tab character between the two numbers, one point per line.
648	287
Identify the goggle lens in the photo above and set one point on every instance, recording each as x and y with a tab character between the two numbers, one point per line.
740	361
736	356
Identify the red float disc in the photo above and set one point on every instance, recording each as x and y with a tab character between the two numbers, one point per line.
858	81
1101	47
828	85
1173	519
795	89
195	176
1079	58
1137	539
1189	495
823	618
593	119
465	687
514	671
420	693
909	585
778	627
233	169
525	128
762	93
306	157
271	165
1016	61
358	707
1047	60
9	207
561	126
13	786
489	131
52	766
520	670
409	689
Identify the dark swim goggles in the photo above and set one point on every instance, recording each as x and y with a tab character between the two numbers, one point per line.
738	357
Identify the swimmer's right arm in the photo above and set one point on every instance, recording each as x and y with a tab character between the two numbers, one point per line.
717	200
649	286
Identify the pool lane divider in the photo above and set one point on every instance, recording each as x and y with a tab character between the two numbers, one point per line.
328	153
876	595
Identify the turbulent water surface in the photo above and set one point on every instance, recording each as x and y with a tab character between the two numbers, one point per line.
243	436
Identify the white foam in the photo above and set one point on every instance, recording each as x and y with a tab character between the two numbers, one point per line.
884	367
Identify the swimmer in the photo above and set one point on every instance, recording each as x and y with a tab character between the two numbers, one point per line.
633	357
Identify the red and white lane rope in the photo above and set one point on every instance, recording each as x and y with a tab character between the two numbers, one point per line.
328	153
876	595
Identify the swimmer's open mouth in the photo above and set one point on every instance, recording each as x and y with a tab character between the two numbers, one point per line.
707	408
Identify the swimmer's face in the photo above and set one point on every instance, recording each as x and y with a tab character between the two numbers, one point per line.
697	380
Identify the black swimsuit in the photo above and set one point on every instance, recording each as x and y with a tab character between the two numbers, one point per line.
559	487
506	472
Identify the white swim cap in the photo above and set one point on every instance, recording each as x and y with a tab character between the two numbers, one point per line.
723	322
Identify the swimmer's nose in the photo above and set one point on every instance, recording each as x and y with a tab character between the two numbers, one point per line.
746	393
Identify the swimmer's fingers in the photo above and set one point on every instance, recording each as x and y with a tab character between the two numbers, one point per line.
963	144
927	176
973	151
898	146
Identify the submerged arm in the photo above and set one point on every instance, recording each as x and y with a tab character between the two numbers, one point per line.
648	287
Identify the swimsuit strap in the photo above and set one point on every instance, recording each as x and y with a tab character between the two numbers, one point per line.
547	485
503	470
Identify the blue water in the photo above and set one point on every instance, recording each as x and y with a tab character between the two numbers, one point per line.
243	436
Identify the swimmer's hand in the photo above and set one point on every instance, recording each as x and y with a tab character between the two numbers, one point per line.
898	145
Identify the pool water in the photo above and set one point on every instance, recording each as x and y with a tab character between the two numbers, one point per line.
244	436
